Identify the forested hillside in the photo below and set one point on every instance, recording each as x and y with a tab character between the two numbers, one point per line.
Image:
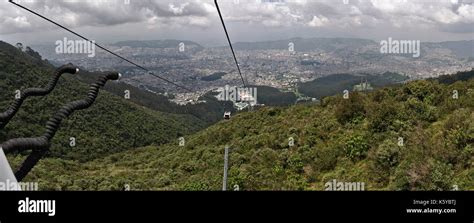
111	125
336	83
415	136
209	112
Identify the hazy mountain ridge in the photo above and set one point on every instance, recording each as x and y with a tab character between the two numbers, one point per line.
305	44
169	43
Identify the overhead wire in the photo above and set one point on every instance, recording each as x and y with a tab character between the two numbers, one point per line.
40	145
105	49
230	43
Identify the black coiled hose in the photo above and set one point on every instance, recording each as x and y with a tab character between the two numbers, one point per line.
6	116
40	145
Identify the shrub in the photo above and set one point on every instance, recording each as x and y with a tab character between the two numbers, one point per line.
326	159
295	163
424	175
387	155
459	128
422	111
196	186
356	148
350	109
441	176
382	116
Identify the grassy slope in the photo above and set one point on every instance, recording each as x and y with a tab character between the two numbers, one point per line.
347	140
111	125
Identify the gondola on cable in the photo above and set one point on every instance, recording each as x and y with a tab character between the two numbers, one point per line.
227	115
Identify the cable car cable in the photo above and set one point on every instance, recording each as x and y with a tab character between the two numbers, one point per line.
7	115
40	145
230	42
105	49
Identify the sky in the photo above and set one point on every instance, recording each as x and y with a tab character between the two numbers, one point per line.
108	21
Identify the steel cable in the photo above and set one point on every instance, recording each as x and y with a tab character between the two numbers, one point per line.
40	145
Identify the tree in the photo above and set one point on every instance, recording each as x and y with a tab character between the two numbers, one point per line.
19	46
356	148
33	53
382	115
350	109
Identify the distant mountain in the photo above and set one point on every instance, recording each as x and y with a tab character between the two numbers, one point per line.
303	45
462	49
157	43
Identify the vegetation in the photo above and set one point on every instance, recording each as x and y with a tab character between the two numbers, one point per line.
111	125
209	112
415	136
213	77
337	83
270	96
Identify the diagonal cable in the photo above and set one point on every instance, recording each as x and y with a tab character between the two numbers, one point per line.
101	47
230	43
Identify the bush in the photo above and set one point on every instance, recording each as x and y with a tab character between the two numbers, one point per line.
351	109
421	110
441	177
459	128
196	186
356	148
424	175
382	116
387	155
425	91
295	163
401	180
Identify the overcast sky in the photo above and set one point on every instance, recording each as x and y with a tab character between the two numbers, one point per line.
248	20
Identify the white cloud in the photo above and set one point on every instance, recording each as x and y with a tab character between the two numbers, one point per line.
178	10
318	21
102	13
410	14
466	12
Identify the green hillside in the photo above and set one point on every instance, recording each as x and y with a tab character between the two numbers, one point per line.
111	125
349	140
209	112
337	83
271	96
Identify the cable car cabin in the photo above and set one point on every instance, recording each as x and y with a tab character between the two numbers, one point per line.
226	115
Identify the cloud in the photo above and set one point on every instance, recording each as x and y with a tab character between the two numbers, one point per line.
99	13
368	13
441	15
318	21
